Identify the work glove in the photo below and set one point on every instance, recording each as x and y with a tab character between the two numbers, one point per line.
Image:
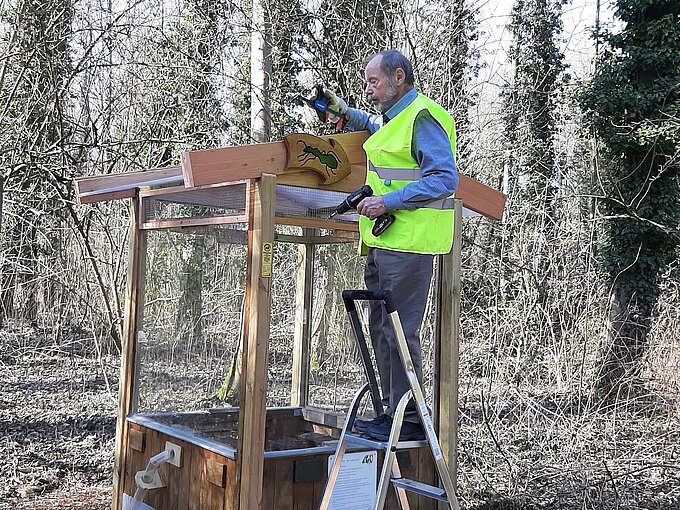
336	105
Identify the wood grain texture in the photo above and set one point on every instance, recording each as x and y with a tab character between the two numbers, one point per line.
133	317
100	188
262	198
447	344
137	440
480	198
213	166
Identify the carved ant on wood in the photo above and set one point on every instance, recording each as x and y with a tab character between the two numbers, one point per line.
329	159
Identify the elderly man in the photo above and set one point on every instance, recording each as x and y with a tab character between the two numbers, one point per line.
412	171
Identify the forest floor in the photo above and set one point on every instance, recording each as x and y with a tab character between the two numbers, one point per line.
536	450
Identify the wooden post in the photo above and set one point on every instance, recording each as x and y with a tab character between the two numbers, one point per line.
261	202
447	336
132	321
299	392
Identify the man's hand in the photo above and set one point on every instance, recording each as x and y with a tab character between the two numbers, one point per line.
372	207
335	104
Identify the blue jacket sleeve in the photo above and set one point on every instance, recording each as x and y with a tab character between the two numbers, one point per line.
359	120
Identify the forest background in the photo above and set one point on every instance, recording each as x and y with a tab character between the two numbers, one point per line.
570	350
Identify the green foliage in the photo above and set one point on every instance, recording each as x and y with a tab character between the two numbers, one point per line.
530	100
633	102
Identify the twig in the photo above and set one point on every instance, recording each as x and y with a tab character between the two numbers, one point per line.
611	479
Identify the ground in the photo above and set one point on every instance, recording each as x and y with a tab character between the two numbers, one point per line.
57	424
541	450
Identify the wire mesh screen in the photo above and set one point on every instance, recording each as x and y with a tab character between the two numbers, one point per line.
291	201
310	203
197	203
193	299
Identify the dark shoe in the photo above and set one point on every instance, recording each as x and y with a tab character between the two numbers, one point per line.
363	425
409	432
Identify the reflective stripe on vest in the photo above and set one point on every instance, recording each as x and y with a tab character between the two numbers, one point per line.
390	167
409	174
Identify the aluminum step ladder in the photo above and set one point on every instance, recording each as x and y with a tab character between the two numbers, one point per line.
390	472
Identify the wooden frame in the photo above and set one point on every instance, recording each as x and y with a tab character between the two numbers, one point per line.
447	342
261	167
299	394
127	391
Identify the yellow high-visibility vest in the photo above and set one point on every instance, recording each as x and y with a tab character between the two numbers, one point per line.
391	166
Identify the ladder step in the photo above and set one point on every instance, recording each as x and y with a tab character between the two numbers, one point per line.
420	488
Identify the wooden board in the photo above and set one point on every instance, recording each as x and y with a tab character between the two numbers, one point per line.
262	198
480	198
214	166
447	346
100	188
127	400
222	165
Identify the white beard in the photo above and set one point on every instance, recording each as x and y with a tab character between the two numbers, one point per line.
386	103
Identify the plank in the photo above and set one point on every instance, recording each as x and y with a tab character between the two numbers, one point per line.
284	484
196	479
133	317
100	188
447	342
227	219
480	198
177	479
231	490
213	166
262	198
301	221
299	392
426	474
213	470
133	463
136	440
269	488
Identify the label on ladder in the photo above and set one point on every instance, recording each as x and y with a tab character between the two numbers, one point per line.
356	483
427	423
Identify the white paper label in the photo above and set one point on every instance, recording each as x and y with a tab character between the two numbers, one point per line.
355	488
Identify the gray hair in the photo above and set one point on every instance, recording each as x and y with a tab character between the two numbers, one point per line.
390	61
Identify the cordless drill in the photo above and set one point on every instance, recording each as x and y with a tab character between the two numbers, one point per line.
320	105
381	224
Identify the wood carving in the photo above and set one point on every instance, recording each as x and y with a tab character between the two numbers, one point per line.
325	157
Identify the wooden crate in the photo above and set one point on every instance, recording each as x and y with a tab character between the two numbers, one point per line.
295	462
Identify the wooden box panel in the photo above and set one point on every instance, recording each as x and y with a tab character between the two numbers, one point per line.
208	481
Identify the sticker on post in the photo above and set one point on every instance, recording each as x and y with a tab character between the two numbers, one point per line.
355	486
267	259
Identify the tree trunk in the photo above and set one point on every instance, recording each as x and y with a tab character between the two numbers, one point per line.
628	324
260	70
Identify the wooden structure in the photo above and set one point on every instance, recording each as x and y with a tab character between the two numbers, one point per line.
229	452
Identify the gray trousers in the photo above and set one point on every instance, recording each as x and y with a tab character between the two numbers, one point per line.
408	276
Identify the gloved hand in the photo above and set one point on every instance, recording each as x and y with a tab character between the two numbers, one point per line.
335	104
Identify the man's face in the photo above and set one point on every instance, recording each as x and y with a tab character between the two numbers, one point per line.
379	90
